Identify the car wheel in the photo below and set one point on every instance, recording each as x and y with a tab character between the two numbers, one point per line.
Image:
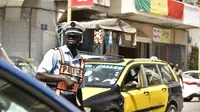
188	99
171	108
112	107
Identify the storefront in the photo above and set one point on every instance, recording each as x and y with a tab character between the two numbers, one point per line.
162	40
170	45
166	43
118	37
109	37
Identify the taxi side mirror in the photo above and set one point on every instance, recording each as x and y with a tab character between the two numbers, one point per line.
116	88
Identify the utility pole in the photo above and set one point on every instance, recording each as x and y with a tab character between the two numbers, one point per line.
69	10
199	56
199	44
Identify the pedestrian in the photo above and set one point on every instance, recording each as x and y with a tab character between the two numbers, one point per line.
177	70
178	73
62	67
171	65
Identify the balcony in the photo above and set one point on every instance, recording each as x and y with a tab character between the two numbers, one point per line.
127	10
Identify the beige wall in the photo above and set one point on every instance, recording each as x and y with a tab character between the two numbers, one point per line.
115	7
13	14
122	7
143	29
179	37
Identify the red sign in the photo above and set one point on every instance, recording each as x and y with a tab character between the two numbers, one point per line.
82	3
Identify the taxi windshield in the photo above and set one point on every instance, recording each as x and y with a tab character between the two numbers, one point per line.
102	75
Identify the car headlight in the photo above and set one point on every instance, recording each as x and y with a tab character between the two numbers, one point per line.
87	109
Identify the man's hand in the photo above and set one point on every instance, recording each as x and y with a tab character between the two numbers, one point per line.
69	83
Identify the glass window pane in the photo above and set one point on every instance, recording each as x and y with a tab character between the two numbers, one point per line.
14	99
166	74
133	75
152	74
102	74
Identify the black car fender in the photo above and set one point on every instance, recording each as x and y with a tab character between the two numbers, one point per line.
104	99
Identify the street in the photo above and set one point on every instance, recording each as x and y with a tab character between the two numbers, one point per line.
193	106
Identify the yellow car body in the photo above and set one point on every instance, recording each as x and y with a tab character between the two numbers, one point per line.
156	95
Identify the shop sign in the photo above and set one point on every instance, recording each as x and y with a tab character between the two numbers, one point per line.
81	3
98	36
161	35
127	40
43	27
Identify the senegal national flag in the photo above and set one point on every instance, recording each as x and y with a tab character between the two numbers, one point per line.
156	7
170	8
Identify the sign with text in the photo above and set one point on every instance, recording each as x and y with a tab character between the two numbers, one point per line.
80	3
161	35
43	26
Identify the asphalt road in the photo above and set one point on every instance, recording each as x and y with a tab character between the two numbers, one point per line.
193	106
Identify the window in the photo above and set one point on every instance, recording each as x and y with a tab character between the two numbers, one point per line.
166	74
132	75
132	79
104	75
152	74
195	75
13	99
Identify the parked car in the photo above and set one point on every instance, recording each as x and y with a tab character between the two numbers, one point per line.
20	93
191	81
193	73
120	84
4	55
24	65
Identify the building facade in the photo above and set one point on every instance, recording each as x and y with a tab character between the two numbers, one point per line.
151	25
29	29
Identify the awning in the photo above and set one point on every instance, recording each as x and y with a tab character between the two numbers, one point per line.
110	24
144	39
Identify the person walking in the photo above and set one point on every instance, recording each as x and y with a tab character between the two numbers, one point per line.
178	73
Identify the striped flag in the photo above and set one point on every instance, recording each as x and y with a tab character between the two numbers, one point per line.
170	8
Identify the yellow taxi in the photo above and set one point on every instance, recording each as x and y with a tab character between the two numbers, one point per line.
131	85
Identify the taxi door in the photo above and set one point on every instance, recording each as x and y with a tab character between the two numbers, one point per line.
135	98
158	92
158	98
